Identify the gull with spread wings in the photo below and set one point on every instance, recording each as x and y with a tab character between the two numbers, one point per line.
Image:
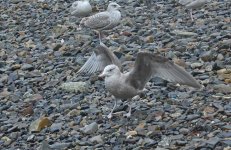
127	85
147	65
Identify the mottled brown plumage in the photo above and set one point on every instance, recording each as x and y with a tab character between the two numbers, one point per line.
104	20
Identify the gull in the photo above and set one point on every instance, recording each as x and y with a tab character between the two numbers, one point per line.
147	65
101	57
105	20
81	8
193	4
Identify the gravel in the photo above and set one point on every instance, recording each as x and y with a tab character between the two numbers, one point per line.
41	51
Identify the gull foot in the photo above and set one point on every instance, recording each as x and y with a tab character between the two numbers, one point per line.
78	29
107	37
127	115
109	116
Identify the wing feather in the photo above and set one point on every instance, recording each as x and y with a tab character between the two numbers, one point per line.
148	65
100	58
98	21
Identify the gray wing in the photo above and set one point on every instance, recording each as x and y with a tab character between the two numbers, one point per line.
100	58
185	2
196	4
98	21
148	65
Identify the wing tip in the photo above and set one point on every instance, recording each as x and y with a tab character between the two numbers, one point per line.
81	71
197	85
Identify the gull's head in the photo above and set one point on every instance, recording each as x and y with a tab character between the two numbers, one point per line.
110	70
113	6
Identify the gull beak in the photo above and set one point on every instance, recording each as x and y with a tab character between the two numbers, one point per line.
102	75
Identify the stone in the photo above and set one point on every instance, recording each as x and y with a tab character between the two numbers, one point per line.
184	131
28	67
222	88
60	146
55	127
184	33
90	129
213	141
44	146
39	124
130	134
16	66
196	65
207	56
30	138
97	139
149	39
192	117
75	87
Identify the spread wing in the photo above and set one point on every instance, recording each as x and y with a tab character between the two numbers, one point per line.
100	58
98	21
148	65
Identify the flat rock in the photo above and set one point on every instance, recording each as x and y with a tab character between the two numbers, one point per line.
75	87
90	129
97	139
184	33
60	146
28	67
44	146
55	127
222	88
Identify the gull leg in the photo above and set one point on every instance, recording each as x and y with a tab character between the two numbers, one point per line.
191	15
109	116
80	24
128	115
100	37
79	28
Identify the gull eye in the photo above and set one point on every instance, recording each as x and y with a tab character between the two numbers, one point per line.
110	70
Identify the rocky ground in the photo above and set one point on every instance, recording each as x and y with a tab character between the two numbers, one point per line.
45	105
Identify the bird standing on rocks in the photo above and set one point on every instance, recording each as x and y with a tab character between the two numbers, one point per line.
103	20
127	85
81	8
193	4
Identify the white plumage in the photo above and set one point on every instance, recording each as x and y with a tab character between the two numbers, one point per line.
193	4
81	8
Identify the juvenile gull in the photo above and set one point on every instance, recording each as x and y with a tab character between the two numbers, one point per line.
193	4
81	8
100	58
103	20
147	65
